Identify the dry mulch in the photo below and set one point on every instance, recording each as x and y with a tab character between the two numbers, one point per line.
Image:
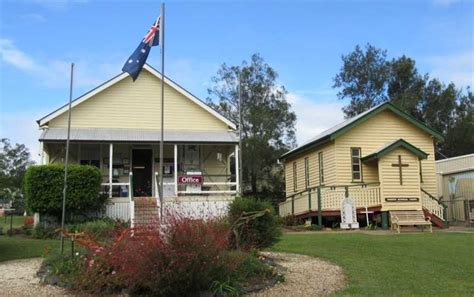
18	278
305	276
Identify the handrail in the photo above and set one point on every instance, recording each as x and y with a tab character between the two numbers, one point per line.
159	199
157	190
433	197
130	200
130	186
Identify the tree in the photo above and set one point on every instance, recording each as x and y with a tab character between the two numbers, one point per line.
14	161
405	85
459	136
268	125
442	107
363	79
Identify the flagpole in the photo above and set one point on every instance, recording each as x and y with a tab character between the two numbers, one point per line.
162	42
66	161
240	135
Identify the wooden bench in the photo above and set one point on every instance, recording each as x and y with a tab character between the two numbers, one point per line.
409	218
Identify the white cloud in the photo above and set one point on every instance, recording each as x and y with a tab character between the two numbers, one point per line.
11	55
444	3
457	68
192	75
20	127
56	73
33	17
313	117
58	4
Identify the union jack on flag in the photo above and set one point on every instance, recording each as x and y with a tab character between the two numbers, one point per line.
135	63
151	34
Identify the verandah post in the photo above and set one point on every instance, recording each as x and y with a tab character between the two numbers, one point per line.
176	170
320	211
293	205
309	199
111	165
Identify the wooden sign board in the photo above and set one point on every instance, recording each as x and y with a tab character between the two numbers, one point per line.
190	179
402	199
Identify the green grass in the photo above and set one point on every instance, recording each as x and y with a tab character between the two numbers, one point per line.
17	247
429	264
18	221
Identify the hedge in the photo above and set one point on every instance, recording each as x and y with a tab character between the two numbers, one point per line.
44	189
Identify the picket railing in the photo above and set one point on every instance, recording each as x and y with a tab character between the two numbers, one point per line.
330	198
433	205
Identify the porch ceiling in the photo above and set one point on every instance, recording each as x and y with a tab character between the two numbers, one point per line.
137	135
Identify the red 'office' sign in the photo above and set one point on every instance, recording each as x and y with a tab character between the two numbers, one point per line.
190	179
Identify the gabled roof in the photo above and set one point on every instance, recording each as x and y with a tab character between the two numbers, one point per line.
124	75
348	124
387	148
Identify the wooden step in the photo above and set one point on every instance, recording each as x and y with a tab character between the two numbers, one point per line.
146	211
434	219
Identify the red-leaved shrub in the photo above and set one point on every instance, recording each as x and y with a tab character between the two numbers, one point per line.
28	221
177	258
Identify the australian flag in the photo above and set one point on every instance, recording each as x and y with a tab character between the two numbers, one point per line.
135	63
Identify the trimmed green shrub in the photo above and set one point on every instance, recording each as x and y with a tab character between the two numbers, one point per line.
45	232
258	233
100	230
44	189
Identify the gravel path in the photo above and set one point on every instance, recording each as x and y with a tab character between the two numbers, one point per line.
18	278
306	276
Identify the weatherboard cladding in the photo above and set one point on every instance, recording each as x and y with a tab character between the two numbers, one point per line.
138	135
343	127
387	148
119	103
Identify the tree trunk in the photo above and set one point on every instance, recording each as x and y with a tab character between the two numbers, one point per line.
253	182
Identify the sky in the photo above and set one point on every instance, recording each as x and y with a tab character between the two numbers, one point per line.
302	41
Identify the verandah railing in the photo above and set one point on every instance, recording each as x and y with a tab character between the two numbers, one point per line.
323	198
213	184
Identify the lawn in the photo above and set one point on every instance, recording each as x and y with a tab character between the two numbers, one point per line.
404	265
17	247
17	222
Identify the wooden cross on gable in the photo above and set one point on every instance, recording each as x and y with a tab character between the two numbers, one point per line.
400	165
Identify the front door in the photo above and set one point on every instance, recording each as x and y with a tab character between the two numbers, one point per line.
142	172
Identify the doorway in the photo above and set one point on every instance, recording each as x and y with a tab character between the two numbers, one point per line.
142	172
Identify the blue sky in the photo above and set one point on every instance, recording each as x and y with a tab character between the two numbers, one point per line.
303	41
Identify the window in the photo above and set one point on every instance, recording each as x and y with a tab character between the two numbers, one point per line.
90	155
356	164
321	168
306	172
295	182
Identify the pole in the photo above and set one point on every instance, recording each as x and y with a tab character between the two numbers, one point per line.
240	135
66	160
162	42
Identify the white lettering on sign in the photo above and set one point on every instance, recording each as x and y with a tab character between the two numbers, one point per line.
190	179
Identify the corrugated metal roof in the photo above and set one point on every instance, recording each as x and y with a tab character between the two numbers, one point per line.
137	135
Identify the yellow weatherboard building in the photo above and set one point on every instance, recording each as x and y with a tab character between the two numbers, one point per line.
384	159
116	127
